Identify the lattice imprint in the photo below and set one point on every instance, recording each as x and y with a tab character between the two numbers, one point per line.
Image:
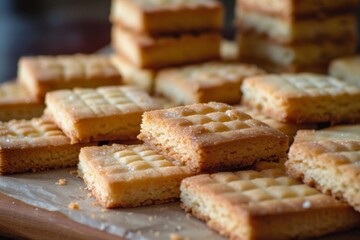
256	187
35	128
215	118
119	159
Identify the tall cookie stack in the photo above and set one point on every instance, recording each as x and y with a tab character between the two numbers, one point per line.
152	34
295	36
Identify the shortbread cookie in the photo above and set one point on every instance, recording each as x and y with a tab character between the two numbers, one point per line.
48	73
132	75
106	113
295	8
215	81
290	129
271	67
340	26
35	145
212	137
255	47
130	176
347	69
303	98
16	103
330	160
154	52
264	205
170	16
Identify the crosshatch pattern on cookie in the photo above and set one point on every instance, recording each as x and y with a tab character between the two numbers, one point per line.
256	187
35	128
308	85
214	118
132	159
101	100
73	67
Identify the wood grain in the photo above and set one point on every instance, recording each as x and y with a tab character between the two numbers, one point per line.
20	220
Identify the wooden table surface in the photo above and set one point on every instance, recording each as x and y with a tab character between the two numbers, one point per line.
22	221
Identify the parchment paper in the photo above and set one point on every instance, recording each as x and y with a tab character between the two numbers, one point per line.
155	222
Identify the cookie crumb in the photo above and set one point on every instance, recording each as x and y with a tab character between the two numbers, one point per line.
175	236
74	172
61	182
95	204
73	206
89	195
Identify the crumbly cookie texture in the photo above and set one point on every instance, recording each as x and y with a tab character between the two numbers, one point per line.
303	98
101	114
130	175
212	136
264	205
35	145
329	159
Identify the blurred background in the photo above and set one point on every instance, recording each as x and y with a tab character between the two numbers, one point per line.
33	27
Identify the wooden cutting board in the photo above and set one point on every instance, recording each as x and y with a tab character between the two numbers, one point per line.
20	220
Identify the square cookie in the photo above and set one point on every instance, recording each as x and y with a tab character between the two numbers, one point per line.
214	81
264	205
101	114
43	74
290	129
133	75
295	57
297	9
144	51
212	137
170	16
346	68
130	175
330	160
35	145
303	98
316	28
16	103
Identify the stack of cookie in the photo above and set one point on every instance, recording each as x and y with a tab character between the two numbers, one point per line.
295	36
151	34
